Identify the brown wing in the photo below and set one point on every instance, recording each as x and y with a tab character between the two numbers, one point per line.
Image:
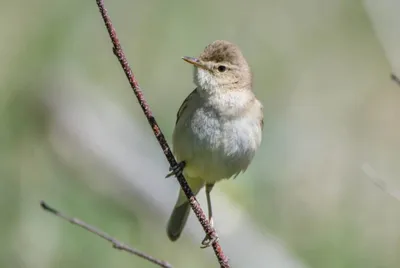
184	105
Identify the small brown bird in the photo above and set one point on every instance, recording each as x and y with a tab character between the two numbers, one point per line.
218	127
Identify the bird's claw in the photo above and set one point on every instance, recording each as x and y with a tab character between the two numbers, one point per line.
208	241
176	170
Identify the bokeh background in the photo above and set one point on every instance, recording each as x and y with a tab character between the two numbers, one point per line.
72	133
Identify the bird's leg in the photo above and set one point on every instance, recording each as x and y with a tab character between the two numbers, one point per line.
207	241
176	170
209	206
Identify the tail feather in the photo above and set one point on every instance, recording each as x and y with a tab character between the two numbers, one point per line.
177	221
181	211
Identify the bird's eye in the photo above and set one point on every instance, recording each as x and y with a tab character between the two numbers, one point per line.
222	68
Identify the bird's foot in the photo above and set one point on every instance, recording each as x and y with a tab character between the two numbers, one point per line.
176	170
208	241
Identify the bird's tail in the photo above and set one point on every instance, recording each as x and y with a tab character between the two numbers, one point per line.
180	214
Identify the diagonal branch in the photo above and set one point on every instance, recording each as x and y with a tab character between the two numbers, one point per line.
395	78
116	244
119	53
380	182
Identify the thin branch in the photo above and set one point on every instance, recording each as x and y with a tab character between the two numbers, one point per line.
395	78
119	53
116	244
380	182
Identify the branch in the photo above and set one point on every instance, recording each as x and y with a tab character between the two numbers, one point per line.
116	244
119	53
380	182
395	78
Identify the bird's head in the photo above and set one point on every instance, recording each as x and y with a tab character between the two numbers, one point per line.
221	67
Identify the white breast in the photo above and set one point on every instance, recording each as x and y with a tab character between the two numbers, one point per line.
213	144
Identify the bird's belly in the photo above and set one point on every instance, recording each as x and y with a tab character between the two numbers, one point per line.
219	149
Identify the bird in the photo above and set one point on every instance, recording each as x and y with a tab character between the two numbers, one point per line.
218	127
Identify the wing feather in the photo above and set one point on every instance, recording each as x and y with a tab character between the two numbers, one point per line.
184	105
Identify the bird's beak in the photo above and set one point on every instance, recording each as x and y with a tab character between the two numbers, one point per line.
195	62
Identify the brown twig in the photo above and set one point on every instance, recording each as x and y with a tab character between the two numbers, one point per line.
116	244
395	78
119	53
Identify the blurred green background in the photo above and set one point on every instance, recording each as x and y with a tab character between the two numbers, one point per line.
72	133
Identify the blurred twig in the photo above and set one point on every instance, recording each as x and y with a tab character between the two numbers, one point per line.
116	244
379	181
119	53
395	78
